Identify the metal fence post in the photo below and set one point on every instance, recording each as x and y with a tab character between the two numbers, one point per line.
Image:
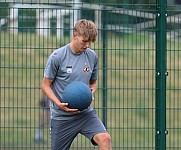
104	59
161	132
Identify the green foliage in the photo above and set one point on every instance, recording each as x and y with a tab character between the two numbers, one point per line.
3	10
120	1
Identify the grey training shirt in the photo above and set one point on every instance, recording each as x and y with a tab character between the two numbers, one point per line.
64	67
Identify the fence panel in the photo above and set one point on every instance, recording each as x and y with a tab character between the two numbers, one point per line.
125	99
173	89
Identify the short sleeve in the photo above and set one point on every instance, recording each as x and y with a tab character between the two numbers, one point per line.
51	67
95	69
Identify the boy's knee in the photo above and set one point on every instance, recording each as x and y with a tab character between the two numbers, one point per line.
102	138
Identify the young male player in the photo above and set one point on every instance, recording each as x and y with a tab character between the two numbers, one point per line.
65	65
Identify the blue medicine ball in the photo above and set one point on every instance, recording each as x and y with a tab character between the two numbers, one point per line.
78	95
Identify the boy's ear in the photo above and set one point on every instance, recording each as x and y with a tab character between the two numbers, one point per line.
74	34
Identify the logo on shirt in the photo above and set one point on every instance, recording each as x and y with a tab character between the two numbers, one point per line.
69	69
86	69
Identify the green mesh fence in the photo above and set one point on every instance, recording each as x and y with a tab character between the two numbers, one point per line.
127	48
173	82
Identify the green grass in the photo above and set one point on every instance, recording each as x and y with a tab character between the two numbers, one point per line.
130	89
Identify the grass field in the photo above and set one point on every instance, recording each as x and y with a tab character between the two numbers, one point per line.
130	98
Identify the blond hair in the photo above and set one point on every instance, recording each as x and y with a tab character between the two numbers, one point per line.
87	29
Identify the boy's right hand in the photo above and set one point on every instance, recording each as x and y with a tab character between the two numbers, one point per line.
64	106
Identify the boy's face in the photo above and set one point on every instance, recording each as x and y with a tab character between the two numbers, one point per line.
80	43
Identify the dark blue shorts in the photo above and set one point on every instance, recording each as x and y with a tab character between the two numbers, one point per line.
63	133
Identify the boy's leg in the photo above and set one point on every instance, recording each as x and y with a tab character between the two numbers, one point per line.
61	134
95	130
